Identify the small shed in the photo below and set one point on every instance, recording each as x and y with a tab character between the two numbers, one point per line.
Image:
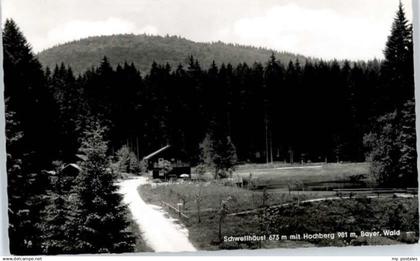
65	174
168	162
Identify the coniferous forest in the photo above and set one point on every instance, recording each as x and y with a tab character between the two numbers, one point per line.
295	111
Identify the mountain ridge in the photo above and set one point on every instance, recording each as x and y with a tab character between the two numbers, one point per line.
143	50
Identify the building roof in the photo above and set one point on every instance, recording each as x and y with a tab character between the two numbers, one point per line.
156	152
73	165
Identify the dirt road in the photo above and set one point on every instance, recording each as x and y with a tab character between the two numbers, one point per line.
161	233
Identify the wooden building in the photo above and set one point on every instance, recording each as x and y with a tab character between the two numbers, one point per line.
168	162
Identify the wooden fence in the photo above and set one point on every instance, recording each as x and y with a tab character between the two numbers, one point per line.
177	210
375	191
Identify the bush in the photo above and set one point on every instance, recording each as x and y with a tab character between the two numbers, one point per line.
392	148
218	153
127	161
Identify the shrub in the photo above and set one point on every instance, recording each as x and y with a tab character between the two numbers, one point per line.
392	148
127	161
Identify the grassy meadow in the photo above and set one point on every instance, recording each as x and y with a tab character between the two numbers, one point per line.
272	201
309	176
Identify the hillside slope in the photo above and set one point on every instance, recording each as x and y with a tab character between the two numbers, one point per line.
142	50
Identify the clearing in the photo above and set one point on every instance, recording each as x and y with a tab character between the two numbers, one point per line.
325	177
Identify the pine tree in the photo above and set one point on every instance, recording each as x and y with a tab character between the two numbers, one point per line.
274	101
29	97
100	221
72	109
207	152
392	141
127	161
407	143
32	110
225	157
17	208
392	148
397	69
57	213
218	152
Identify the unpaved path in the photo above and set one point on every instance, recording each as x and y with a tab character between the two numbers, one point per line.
161	233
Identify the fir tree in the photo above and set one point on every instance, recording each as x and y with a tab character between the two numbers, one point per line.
407	142
72	109
127	161
57	213
392	148
392	141
218	153
397	69
29	98
17	206
101	225
31	109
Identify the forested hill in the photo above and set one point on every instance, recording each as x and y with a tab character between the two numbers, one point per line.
142	50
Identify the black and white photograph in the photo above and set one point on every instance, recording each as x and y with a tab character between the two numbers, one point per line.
163	126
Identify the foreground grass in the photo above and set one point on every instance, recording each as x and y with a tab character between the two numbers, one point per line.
351	215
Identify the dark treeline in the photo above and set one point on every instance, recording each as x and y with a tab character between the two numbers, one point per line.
318	111
303	111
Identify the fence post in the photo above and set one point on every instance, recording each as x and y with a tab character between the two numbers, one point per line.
179	209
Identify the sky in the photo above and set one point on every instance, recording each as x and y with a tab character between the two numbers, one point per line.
341	29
